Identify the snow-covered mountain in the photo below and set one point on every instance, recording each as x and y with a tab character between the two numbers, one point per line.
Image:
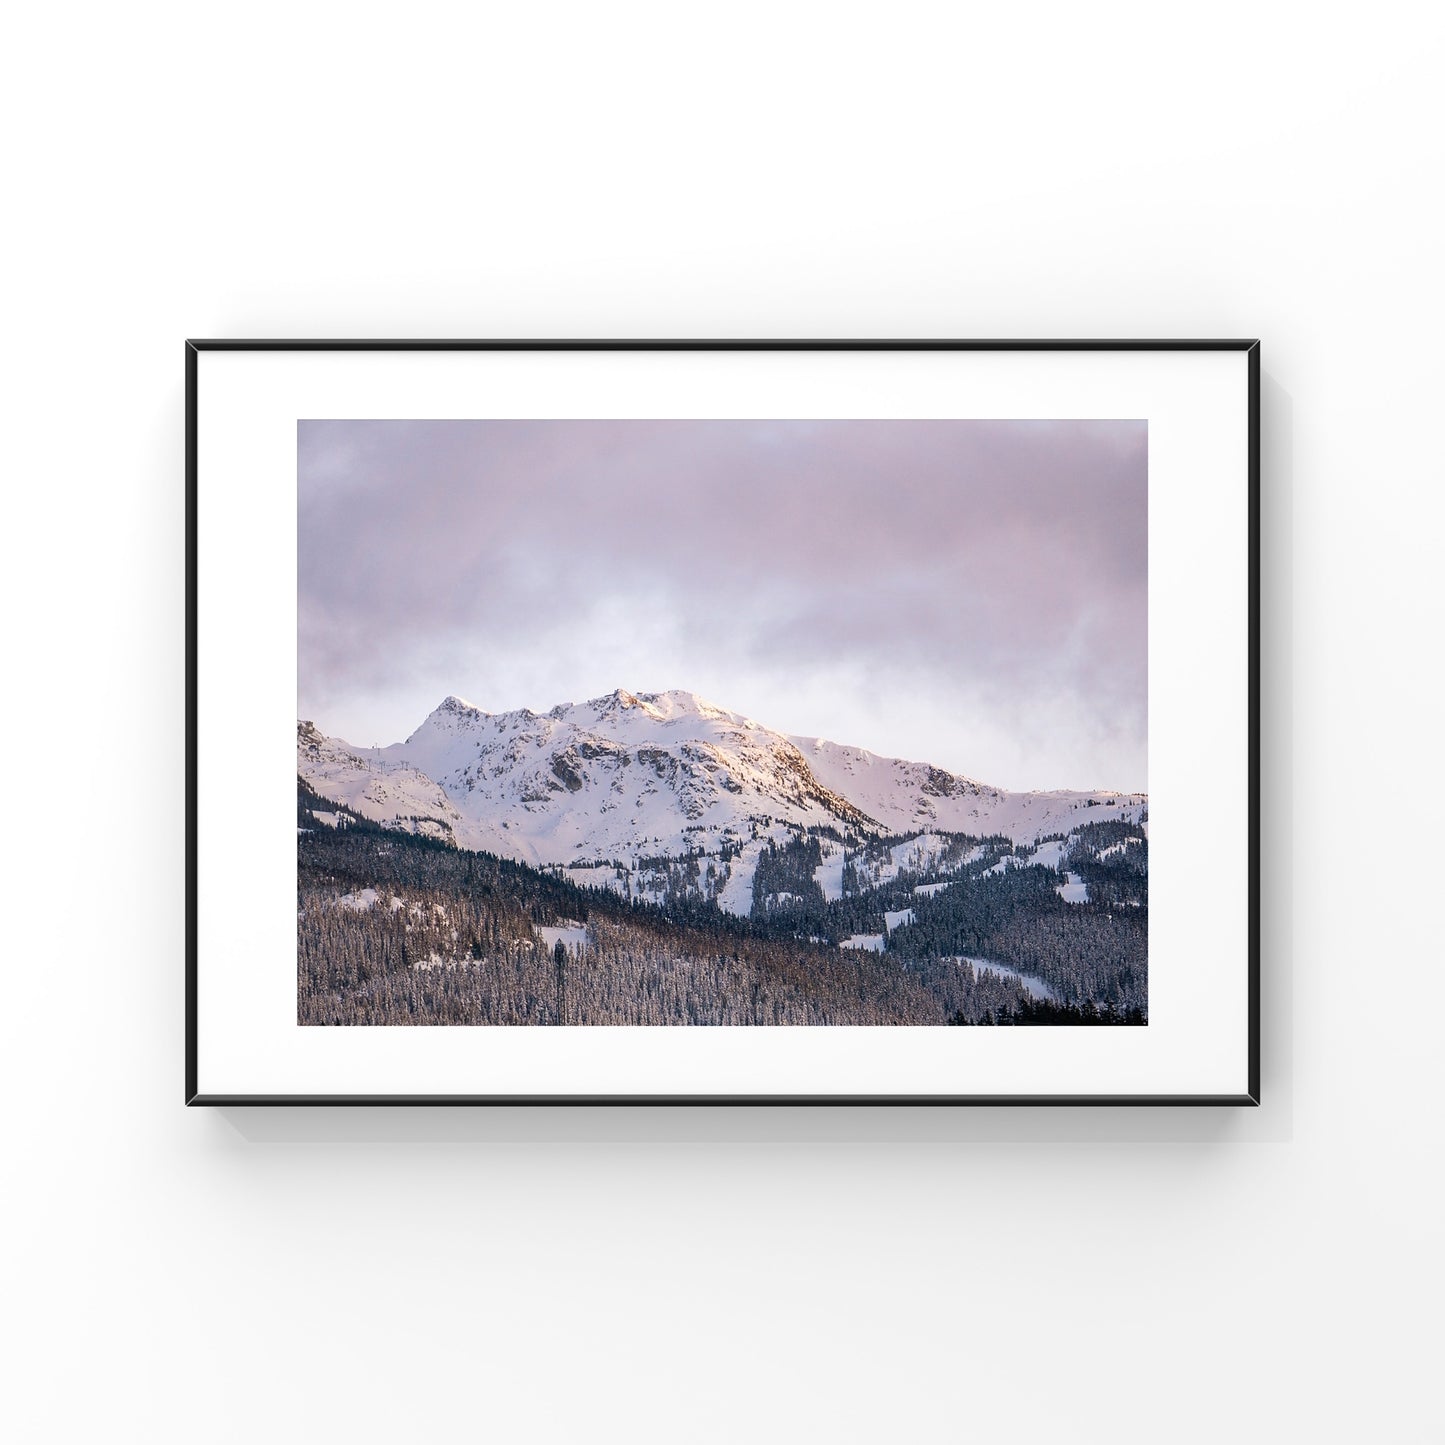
631	777
385	792
905	797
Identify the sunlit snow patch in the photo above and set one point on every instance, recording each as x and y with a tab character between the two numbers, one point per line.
1035	987
573	936
1048	855
1074	890
359	902
828	875
736	895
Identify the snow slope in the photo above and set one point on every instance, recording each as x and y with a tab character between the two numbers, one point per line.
907	797
629	777
385	792
619	777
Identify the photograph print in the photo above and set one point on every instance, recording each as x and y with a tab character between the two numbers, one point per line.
726	722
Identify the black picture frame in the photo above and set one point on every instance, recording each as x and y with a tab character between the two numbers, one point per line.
193	1096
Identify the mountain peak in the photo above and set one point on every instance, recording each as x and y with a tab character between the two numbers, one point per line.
619	697
451	716
668	706
454	704
678	703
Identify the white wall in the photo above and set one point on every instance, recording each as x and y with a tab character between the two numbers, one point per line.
1071	170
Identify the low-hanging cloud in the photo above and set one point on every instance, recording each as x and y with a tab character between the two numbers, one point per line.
971	592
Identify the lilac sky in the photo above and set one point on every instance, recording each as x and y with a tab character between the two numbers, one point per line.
968	593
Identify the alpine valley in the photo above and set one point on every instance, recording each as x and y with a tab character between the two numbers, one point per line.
654	859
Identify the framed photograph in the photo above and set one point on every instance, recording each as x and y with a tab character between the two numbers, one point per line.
722	722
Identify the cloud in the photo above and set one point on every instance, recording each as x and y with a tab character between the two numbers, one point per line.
987	573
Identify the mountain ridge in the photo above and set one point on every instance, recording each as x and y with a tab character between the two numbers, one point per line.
627	777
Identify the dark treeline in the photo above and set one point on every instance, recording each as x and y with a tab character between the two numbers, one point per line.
783	882
1040	1013
868	889
1113	859
365	967
394	928
1082	951
397	929
1093	952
